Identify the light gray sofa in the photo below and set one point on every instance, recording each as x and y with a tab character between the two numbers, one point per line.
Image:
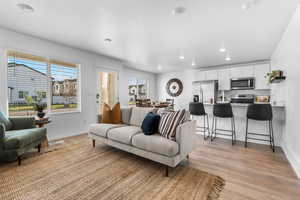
130	137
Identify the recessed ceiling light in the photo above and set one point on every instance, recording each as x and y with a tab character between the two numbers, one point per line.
178	10
250	3
25	7
222	49
181	57
193	63
227	58
159	67
245	6
108	40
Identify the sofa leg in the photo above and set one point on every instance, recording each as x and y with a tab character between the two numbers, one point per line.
19	160
39	148
167	171
94	143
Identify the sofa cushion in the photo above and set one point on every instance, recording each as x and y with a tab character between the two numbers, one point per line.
21	138
126	114
123	134
138	114
156	144
102	129
111	115
4	120
150	123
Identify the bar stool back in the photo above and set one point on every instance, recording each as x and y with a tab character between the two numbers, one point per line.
260	112
223	110
197	109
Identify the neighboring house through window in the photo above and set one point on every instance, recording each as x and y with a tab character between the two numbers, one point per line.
23	94
34	79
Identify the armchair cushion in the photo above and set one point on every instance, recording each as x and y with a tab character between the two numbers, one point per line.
21	138
2	134
19	123
4	120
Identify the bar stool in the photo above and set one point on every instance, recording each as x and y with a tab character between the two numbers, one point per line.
197	109
260	112
223	110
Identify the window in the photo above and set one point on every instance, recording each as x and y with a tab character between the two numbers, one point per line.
64	86
38	80
138	89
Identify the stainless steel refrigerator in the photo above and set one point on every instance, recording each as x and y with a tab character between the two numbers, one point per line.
207	91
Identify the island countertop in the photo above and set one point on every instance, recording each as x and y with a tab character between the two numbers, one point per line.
246	105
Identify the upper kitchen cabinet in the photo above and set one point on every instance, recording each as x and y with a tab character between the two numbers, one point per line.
242	72
212	75
261	71
200	76
224	79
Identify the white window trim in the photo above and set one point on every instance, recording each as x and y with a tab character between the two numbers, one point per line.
49	91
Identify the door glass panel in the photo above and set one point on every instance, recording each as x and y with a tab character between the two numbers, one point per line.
107	89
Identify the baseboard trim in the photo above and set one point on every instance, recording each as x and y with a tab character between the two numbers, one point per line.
292	158
58	137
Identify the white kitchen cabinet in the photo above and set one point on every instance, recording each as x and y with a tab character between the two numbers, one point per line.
242	72
261	71
224	79
211	75
200	76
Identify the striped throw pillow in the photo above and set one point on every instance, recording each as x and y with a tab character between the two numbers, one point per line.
169	122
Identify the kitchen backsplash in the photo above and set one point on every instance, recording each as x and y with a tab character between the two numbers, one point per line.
229	94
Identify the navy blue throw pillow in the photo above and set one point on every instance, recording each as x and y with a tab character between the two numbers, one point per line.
150	124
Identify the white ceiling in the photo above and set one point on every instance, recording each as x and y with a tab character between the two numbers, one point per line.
146	34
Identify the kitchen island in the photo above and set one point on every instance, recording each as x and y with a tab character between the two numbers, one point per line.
240	113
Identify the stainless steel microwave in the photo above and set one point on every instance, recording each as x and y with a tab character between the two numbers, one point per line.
242	83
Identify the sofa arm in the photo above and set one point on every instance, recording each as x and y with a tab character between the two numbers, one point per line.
22	123
186	137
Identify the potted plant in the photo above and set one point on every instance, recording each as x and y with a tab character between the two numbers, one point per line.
39	107
273	75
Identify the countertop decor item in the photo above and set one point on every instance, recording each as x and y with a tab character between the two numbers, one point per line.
174	87
275	76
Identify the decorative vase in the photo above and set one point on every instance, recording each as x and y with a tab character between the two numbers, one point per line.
41	114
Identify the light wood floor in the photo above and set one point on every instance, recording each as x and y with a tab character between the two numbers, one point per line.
250	173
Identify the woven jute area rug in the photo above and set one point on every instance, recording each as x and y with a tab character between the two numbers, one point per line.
77	171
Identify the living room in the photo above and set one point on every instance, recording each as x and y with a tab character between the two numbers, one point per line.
60	65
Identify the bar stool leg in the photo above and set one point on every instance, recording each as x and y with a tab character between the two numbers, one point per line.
214	134
234	129
204	127
208	126
246	137
212	129
232	132
271	135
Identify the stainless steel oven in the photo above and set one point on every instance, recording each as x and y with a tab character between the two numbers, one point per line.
242	83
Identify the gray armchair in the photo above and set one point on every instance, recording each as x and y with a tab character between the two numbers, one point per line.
18	136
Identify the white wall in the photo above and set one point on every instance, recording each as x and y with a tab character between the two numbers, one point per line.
186	77
287	57
73	123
